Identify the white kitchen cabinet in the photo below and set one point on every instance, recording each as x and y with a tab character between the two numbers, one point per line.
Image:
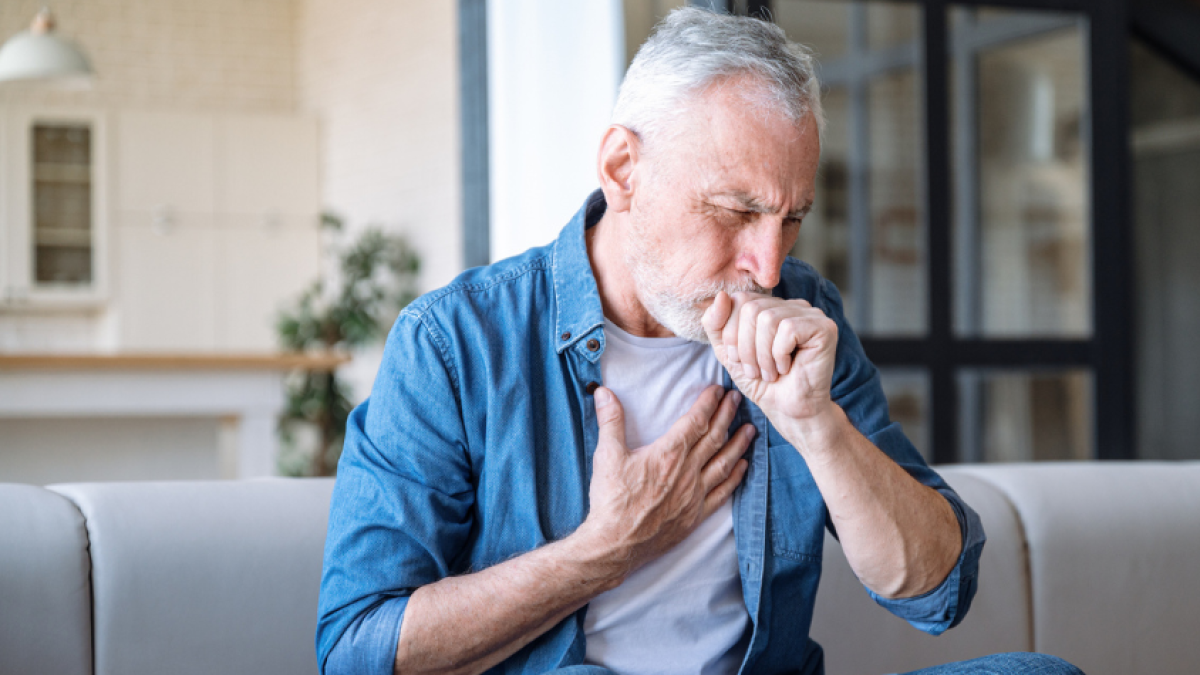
198	226
53	209
166	161
166	283
262	266
227	207
269	165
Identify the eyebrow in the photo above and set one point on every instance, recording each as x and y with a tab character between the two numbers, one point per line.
755	205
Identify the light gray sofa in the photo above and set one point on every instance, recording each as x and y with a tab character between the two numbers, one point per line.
1097	563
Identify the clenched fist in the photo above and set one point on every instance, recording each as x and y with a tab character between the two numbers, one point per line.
780	353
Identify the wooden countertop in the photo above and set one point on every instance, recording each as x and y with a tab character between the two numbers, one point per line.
202	361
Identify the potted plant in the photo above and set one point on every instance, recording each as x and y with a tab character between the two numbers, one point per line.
373	279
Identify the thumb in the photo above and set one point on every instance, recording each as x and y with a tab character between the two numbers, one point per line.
714	320
610	416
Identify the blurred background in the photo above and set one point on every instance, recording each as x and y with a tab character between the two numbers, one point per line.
207	226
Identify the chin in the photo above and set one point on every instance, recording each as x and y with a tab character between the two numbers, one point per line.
685	323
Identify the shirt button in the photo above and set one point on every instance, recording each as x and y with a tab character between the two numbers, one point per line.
593	345
566	336
591	387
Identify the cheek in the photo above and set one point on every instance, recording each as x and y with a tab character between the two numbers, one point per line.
713	257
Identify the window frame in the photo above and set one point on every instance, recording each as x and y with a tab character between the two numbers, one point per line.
1109	351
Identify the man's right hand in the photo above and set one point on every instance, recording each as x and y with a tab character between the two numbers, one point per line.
644	501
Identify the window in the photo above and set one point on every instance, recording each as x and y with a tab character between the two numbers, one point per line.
955	212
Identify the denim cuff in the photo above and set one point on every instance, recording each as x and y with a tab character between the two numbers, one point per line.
368	645
945	606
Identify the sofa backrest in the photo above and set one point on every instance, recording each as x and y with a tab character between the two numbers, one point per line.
1094	562
45	598
1114	561
861	637
204	577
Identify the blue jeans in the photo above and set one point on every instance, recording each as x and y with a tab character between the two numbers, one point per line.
1012	663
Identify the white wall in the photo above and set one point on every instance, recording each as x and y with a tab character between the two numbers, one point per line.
221	58
215	55
383	78
553	72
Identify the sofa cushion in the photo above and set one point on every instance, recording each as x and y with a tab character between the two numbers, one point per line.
205	577
861	637
1114	550
45	613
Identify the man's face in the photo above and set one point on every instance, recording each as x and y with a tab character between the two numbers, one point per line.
719	206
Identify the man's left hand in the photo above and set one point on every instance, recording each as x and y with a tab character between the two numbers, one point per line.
901	538
780	353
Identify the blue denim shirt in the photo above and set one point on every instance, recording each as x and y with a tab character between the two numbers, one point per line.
476	446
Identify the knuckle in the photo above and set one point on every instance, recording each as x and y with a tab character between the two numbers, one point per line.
719	469
767	317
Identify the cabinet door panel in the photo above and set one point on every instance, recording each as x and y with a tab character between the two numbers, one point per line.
261	270
166	160
166	283
270	165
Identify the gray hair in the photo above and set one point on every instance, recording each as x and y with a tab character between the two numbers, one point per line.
692	49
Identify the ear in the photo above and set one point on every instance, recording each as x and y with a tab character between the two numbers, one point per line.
619	152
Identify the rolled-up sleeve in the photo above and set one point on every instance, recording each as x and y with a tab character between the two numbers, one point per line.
945	606
857	389
402	504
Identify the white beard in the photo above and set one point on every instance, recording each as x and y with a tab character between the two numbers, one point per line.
677	310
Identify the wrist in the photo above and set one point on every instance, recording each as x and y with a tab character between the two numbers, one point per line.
815	435
597	555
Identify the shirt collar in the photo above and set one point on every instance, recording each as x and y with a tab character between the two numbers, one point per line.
576	297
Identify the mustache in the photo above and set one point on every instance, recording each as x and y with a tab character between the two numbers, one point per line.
709	290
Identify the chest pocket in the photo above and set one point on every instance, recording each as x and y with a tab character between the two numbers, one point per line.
795	506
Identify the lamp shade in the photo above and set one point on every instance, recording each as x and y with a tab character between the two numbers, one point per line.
39	54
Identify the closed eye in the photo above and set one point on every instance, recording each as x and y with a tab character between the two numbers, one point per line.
738	213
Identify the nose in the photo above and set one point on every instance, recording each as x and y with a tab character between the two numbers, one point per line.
761	252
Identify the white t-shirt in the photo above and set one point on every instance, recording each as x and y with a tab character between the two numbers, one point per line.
684	612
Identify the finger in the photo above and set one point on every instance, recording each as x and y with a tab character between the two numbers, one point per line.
787	341
746	341
724	462
610	417
718	431
724	490
687	431
729	334
714	319
812	332
768	326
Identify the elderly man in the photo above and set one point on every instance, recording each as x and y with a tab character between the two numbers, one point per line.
619	452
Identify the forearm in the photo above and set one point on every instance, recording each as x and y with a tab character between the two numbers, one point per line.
901	537
467	624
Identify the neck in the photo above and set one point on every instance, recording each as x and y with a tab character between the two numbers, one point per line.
618	289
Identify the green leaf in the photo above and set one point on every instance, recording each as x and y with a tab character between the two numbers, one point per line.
377	280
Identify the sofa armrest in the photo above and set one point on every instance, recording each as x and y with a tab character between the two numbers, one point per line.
205	577
45	595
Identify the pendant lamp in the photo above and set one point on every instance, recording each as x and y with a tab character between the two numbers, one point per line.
39	54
